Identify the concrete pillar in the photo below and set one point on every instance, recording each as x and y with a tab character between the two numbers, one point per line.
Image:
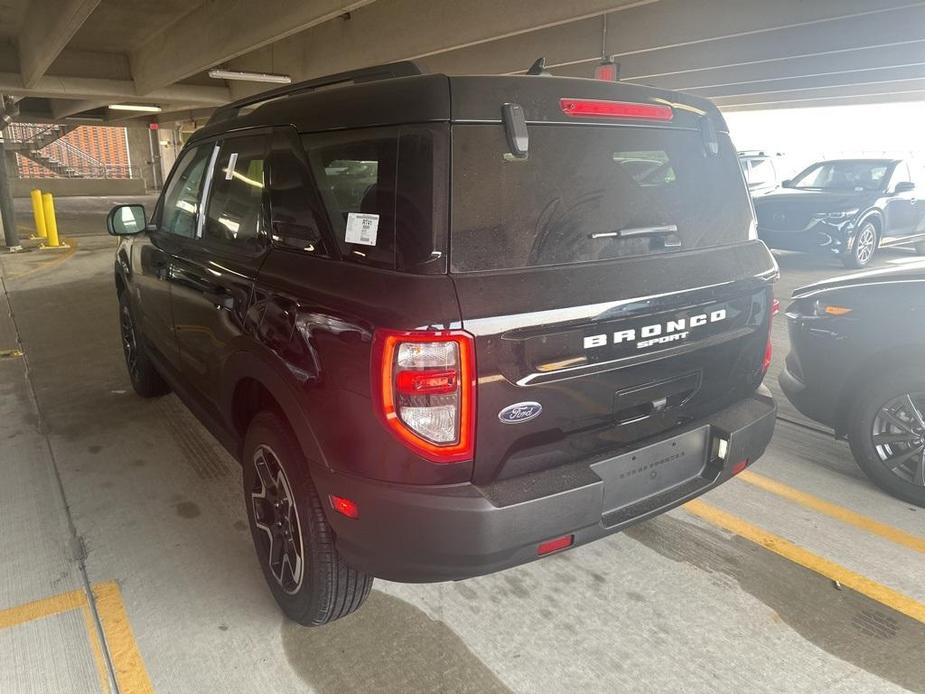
10	232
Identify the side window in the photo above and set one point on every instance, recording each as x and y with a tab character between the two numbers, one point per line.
900	175
762	171
421	207
236	212
356	178
297	215
180	209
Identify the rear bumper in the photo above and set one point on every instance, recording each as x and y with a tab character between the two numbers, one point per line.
425	534
809	402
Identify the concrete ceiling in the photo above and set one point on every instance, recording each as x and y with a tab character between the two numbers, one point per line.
71	58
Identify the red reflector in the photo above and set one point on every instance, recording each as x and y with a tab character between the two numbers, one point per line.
768	350
343	506
595	108
739	466
775	307
429	382
554	545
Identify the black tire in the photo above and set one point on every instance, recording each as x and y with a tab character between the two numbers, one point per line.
897	467
920	248
146	381
325	588
864	246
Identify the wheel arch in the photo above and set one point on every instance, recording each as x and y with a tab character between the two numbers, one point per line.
253	384
873	367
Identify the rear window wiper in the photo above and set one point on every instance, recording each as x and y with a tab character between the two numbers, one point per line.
639	232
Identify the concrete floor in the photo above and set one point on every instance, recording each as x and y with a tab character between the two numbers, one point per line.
127	560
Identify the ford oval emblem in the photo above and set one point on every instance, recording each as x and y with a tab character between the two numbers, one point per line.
520	412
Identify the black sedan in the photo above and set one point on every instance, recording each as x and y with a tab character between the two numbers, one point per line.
857	364
846	208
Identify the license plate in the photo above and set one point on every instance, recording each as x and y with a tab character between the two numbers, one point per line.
632	477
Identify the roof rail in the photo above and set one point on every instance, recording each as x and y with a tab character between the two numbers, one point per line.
404	68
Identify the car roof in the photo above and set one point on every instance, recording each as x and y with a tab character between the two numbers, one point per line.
441	98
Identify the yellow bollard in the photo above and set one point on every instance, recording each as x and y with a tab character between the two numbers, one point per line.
51	224
38	214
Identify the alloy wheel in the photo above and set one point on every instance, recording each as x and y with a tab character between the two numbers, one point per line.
865	244
276	516
899	437
129	341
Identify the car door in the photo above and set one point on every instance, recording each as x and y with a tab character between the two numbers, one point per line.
174	220
901	207
213	280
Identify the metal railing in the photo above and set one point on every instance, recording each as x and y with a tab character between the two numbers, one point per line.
54	157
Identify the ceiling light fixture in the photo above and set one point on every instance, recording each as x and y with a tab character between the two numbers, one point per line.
135	107
249	76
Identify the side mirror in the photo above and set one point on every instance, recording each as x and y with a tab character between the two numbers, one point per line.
786	184
125	220
904	187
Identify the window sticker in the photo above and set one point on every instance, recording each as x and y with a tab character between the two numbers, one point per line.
362	228
232	161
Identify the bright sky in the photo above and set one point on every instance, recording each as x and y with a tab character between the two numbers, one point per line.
805	135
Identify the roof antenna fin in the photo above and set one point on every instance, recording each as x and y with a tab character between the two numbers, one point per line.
539	67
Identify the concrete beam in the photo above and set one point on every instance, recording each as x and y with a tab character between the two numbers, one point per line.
409	29
216	32
859	61
51	86
673	37
48	27
62	108
851	100
907	90
892	75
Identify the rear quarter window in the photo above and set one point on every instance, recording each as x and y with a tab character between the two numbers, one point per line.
385	193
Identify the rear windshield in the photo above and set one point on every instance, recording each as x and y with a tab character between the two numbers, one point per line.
587	193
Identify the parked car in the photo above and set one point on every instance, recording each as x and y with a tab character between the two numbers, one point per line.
857	348
846	208
760	170
443	328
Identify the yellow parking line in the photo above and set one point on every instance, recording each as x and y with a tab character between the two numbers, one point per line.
95	648
839	513
130	672
861	584
46	607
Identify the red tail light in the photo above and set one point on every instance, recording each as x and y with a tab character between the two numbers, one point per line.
424	382
595	108
768	348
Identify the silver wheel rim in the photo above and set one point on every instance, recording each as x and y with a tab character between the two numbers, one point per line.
277	517
898	437
865	243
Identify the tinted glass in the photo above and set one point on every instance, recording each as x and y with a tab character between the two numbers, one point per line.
762	171
236	212
844	175
421	203
179	212
581	187
900	175
297	217
356	176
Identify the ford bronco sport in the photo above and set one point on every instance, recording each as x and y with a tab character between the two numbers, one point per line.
450	325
